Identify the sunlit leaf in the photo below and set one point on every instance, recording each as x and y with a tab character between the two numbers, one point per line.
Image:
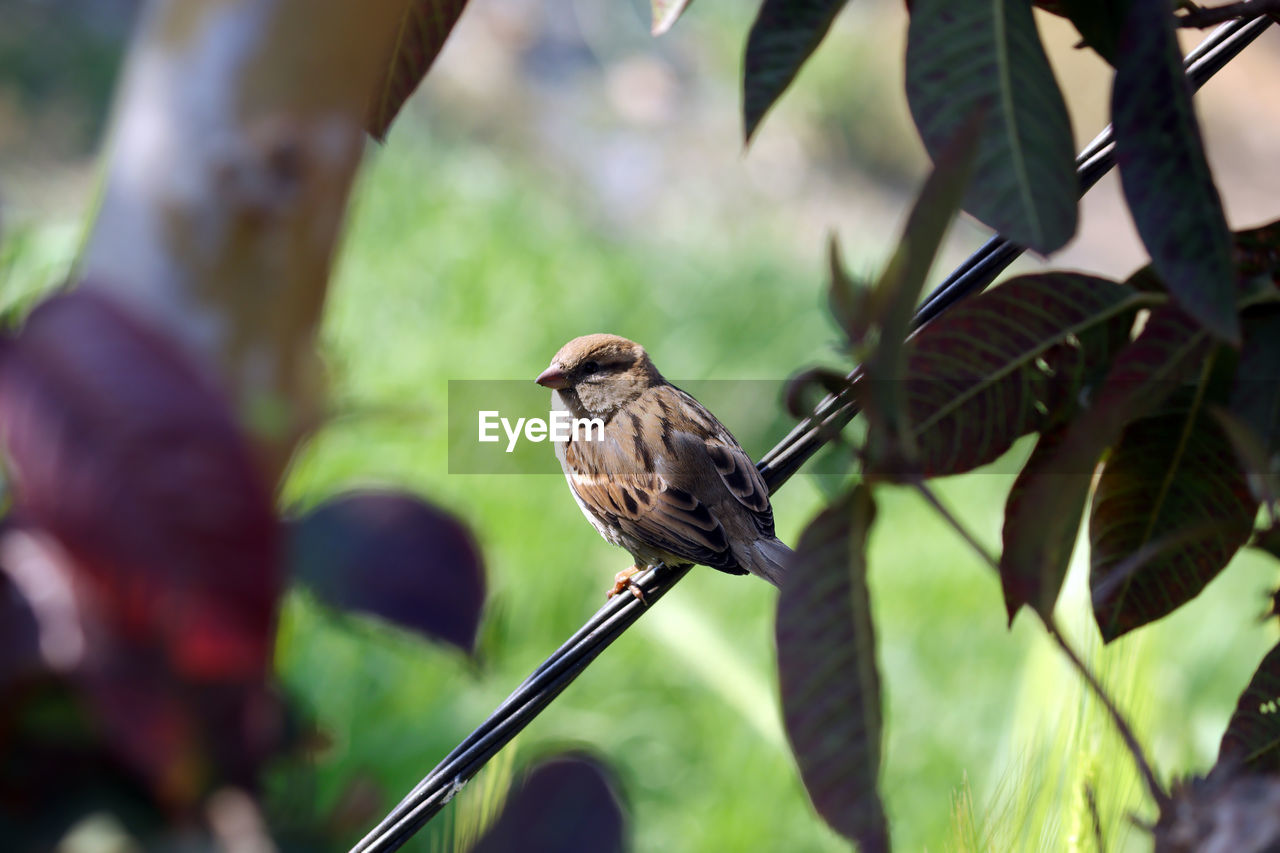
783	36
1165	175
827	672
1170	470
1252	738
1010	361
1035	556
396	557
424	26
970	55
566	803
665	14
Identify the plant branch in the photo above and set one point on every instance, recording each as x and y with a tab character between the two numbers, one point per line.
1117	718
777	466
1202	17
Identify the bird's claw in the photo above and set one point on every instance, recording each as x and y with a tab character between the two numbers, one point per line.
624	580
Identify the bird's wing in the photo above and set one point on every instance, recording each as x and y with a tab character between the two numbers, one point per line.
736	470
647	508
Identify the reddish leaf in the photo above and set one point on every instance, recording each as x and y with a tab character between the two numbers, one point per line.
827	673
1032	566
1170	471
1008	362
1165	175
424	26
396	557
123	451
1252	738
565	805
1046	516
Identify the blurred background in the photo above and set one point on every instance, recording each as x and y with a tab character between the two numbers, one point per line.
561	172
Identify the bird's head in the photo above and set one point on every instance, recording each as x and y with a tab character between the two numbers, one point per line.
596	375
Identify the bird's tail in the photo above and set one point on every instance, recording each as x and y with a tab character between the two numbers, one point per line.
769	559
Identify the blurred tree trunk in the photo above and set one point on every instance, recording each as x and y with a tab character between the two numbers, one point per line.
237	130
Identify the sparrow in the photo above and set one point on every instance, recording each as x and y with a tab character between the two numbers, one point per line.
665	480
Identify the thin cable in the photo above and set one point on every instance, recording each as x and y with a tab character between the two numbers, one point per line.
982	267
777	466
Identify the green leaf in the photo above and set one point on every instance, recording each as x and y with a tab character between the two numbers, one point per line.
784	35
1040	532
965	55
893	298
830	687
1010	361
1035	555
1165	176
1172	471
424	26
665	14
1252	738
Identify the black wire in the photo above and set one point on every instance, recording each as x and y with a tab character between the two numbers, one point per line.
556	673
982	267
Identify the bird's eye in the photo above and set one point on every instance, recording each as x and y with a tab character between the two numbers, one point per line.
590	367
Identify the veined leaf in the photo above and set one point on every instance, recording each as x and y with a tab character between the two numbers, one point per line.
1252	739
784	35
1165	176
424	26
1046	515
830	686
1010	361
1170	471
963	55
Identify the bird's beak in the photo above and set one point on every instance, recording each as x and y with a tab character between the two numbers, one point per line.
553	377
